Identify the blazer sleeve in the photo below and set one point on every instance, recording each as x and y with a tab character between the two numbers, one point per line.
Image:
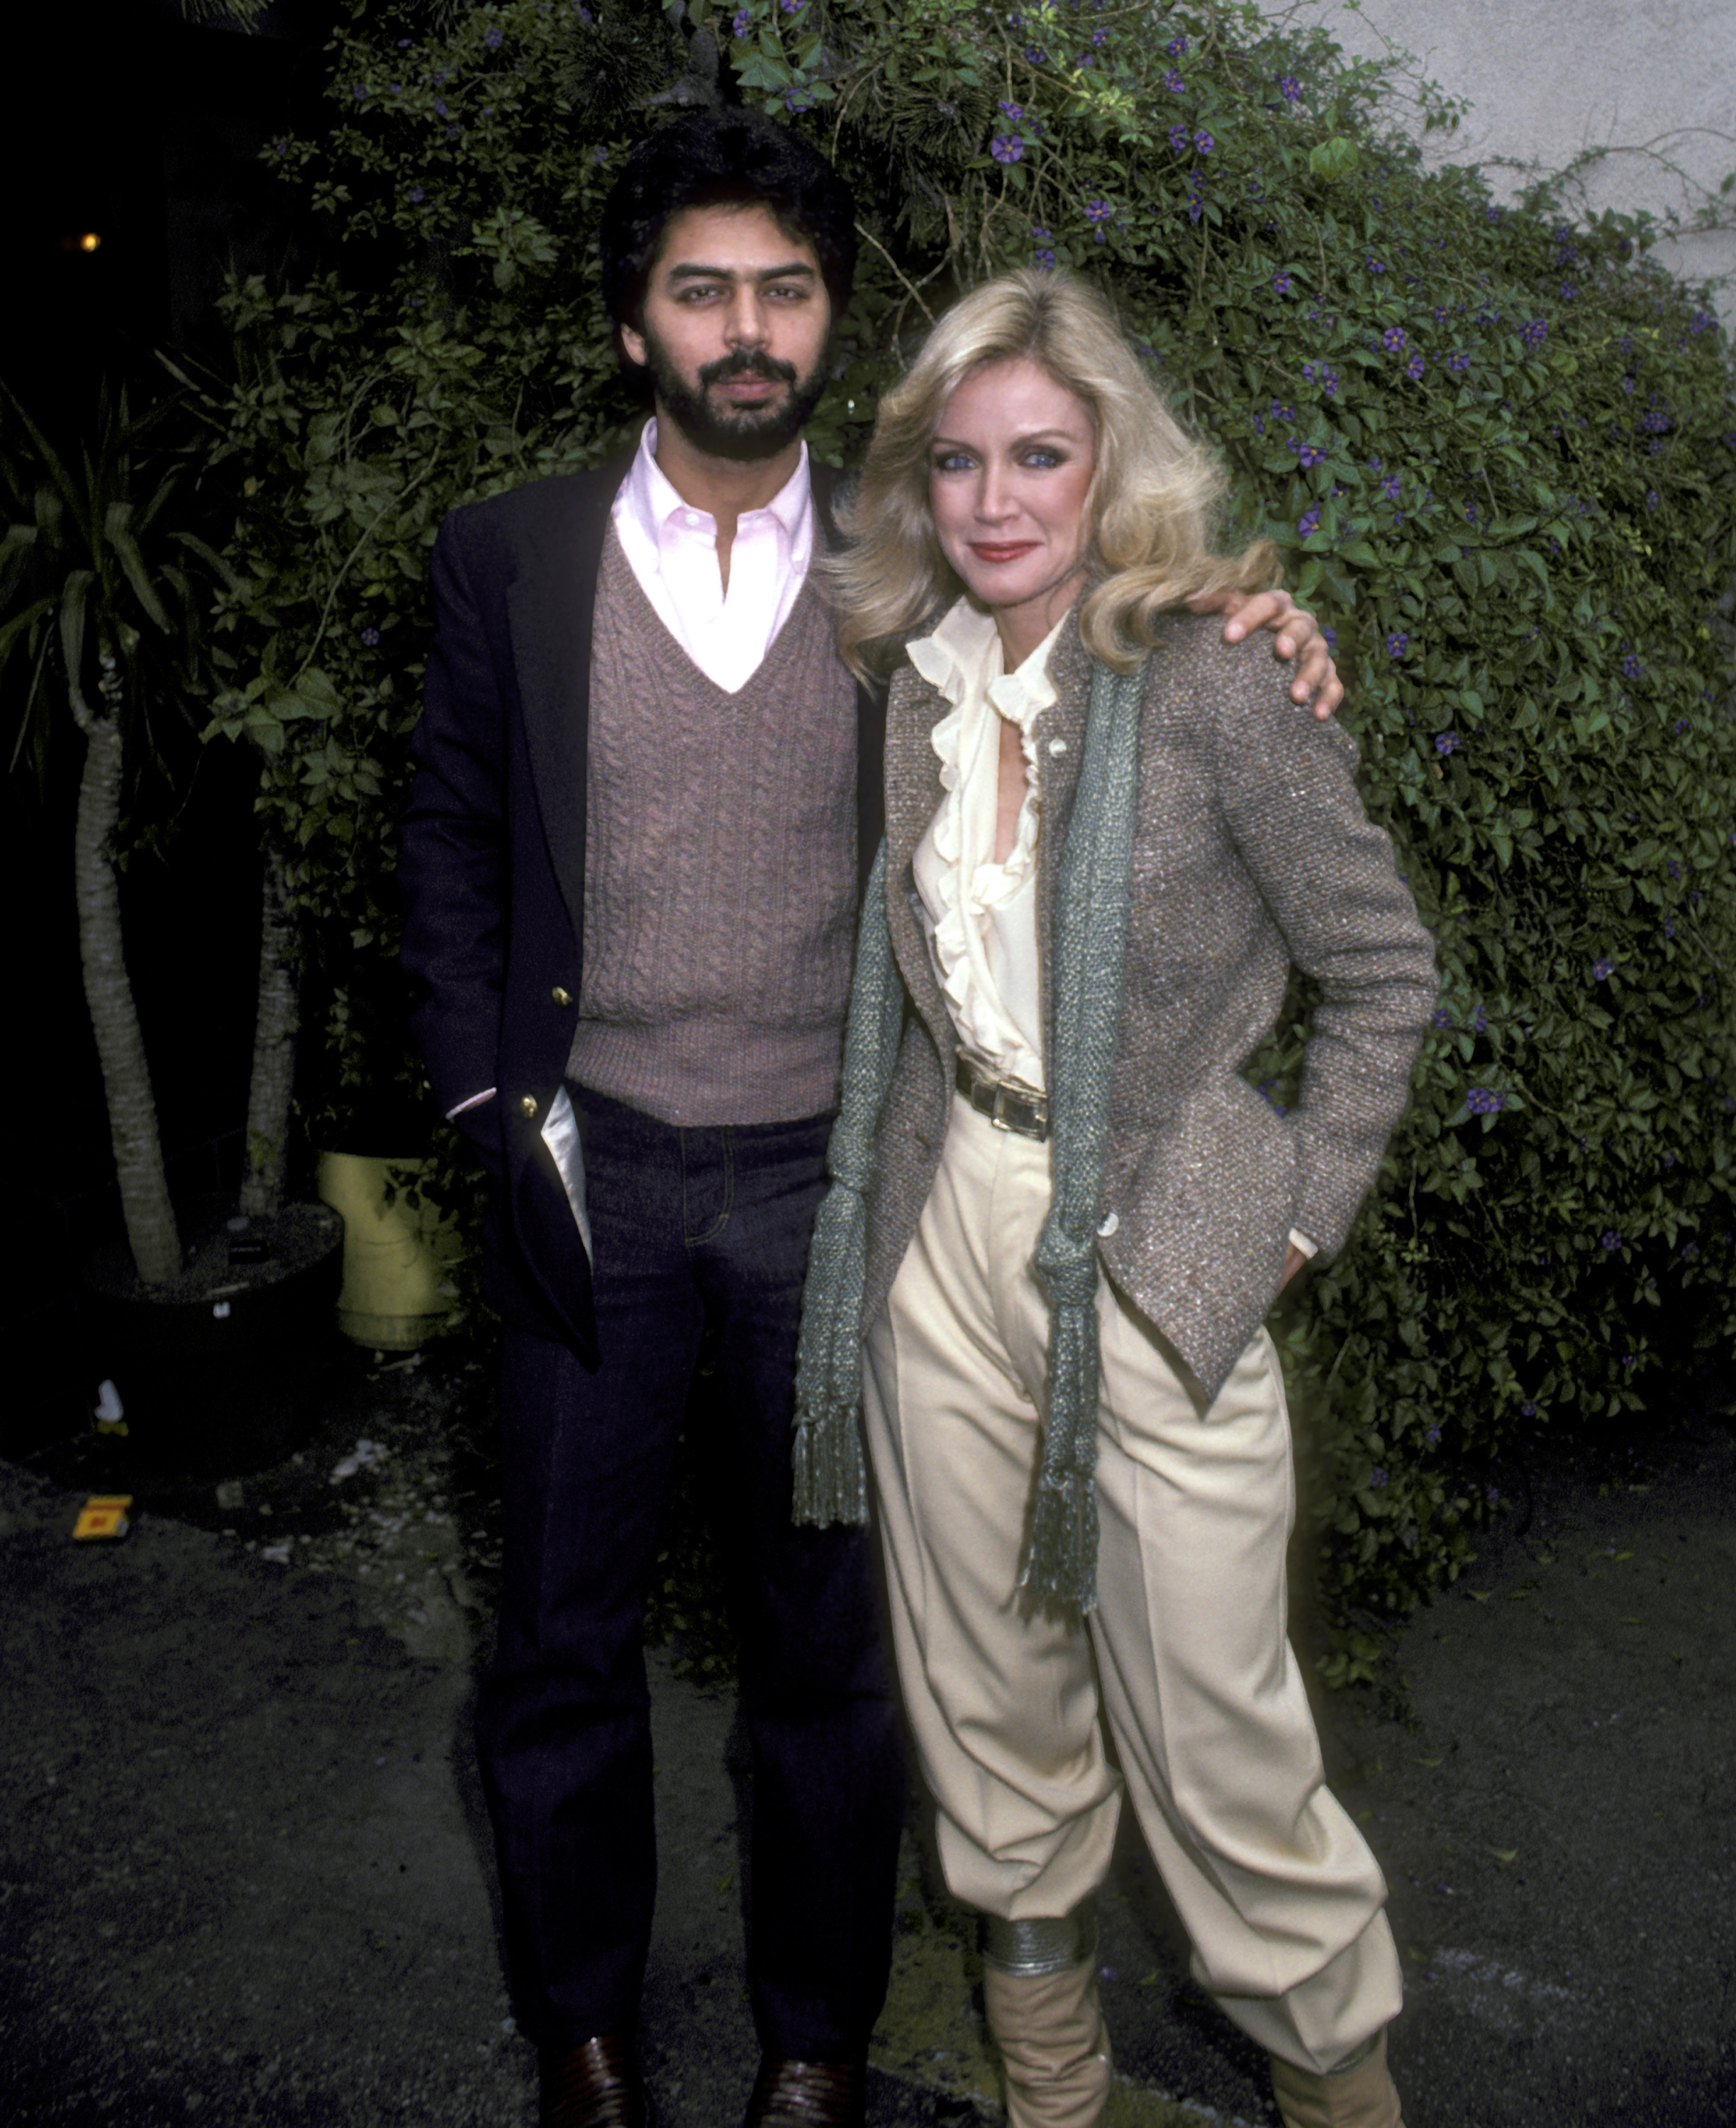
453	867
1326	873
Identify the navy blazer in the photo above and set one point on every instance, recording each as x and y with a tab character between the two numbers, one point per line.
492	862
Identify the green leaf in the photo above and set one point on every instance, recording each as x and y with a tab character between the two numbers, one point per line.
1333	158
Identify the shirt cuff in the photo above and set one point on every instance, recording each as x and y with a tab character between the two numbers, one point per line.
1300	1240
476	1100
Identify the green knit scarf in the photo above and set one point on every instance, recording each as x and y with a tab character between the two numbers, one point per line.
1092	899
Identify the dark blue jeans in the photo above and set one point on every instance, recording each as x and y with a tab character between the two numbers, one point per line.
699	1235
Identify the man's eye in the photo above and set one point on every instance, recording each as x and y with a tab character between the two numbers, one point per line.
697	293
793	294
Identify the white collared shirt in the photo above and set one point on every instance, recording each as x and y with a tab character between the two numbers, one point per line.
980	916
672	549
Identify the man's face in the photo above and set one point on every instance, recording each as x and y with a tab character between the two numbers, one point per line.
733	330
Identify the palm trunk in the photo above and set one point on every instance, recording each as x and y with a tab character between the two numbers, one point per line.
274	1050
132	1113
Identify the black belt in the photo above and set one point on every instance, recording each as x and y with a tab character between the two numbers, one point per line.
1008	1104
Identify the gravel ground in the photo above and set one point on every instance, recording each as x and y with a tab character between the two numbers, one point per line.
245	1875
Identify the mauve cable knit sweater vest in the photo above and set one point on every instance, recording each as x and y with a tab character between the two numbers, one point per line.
719	872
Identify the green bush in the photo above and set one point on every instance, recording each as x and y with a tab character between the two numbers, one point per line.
1497	449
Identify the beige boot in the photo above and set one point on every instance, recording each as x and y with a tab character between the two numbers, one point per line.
1360	2094
1040	1989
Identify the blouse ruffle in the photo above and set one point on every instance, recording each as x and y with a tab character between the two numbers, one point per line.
962	658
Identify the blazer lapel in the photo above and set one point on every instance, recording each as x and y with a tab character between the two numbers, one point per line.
913	792
549	609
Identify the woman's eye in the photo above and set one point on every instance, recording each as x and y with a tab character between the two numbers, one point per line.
953	462
1042	461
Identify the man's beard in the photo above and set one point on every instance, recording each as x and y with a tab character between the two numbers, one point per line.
746	433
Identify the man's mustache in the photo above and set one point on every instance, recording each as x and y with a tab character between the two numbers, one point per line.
746	362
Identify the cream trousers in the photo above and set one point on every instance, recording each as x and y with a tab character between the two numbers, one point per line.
1193	1671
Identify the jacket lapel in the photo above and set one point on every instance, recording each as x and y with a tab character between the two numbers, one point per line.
1062	724
913	792
549	609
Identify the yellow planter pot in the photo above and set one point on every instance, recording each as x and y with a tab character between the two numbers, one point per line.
395	1252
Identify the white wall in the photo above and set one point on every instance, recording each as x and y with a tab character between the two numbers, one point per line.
1547	78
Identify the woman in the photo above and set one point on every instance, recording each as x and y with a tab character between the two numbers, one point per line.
1061	1214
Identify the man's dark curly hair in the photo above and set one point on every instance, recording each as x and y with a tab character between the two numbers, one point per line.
723	157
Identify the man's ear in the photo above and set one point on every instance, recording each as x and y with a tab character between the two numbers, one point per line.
632	345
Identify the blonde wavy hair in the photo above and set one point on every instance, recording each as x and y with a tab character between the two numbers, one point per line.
1154	503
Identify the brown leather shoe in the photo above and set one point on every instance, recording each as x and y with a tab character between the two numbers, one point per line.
802	2094
595	2084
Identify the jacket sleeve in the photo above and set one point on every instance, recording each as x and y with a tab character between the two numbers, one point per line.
1326	873
453	867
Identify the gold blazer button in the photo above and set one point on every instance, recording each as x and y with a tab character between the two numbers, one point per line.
528	1105
561	998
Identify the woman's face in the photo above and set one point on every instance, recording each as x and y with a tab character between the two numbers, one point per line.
1009	470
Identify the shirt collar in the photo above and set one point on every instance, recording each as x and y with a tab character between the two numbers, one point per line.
965	651
651	496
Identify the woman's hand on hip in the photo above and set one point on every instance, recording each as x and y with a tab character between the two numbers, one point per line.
1294	1261
1298	637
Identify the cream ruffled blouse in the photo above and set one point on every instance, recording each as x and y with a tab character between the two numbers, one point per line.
981	917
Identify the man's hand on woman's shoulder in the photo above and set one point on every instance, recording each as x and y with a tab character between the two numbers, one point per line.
1298	637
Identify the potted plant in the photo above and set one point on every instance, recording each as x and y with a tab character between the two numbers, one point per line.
103	583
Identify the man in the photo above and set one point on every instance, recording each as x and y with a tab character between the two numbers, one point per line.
647	792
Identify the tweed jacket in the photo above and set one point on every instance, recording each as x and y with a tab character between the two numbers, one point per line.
1251	853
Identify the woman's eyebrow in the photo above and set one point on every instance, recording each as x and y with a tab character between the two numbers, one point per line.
1030	436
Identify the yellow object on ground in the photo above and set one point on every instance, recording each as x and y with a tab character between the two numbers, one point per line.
395	1252
103	1515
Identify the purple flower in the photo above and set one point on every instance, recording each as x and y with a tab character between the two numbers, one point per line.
1175	82
1036	55
1446	742
1376	1478
1485	1101
1627	385
1669	930
1602	970
1441	1017
1433	1436
415	195
1491	214
1611	1240
1289	88
1492	1493
1397	642
1392	339
1180	140
1204	142
1480	1020
1308	522
1330	635
1177	45
1459	361
790	7
1013	113
1044	261
492	40
1098	210
439	108
1310	454
1631	665
370	636
1374	264
1681	725
1390	488
1281	283
1569	292
1528	1410
1196	208
743	22
1535	333
359	93
1099	38
1414	367
1005	148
